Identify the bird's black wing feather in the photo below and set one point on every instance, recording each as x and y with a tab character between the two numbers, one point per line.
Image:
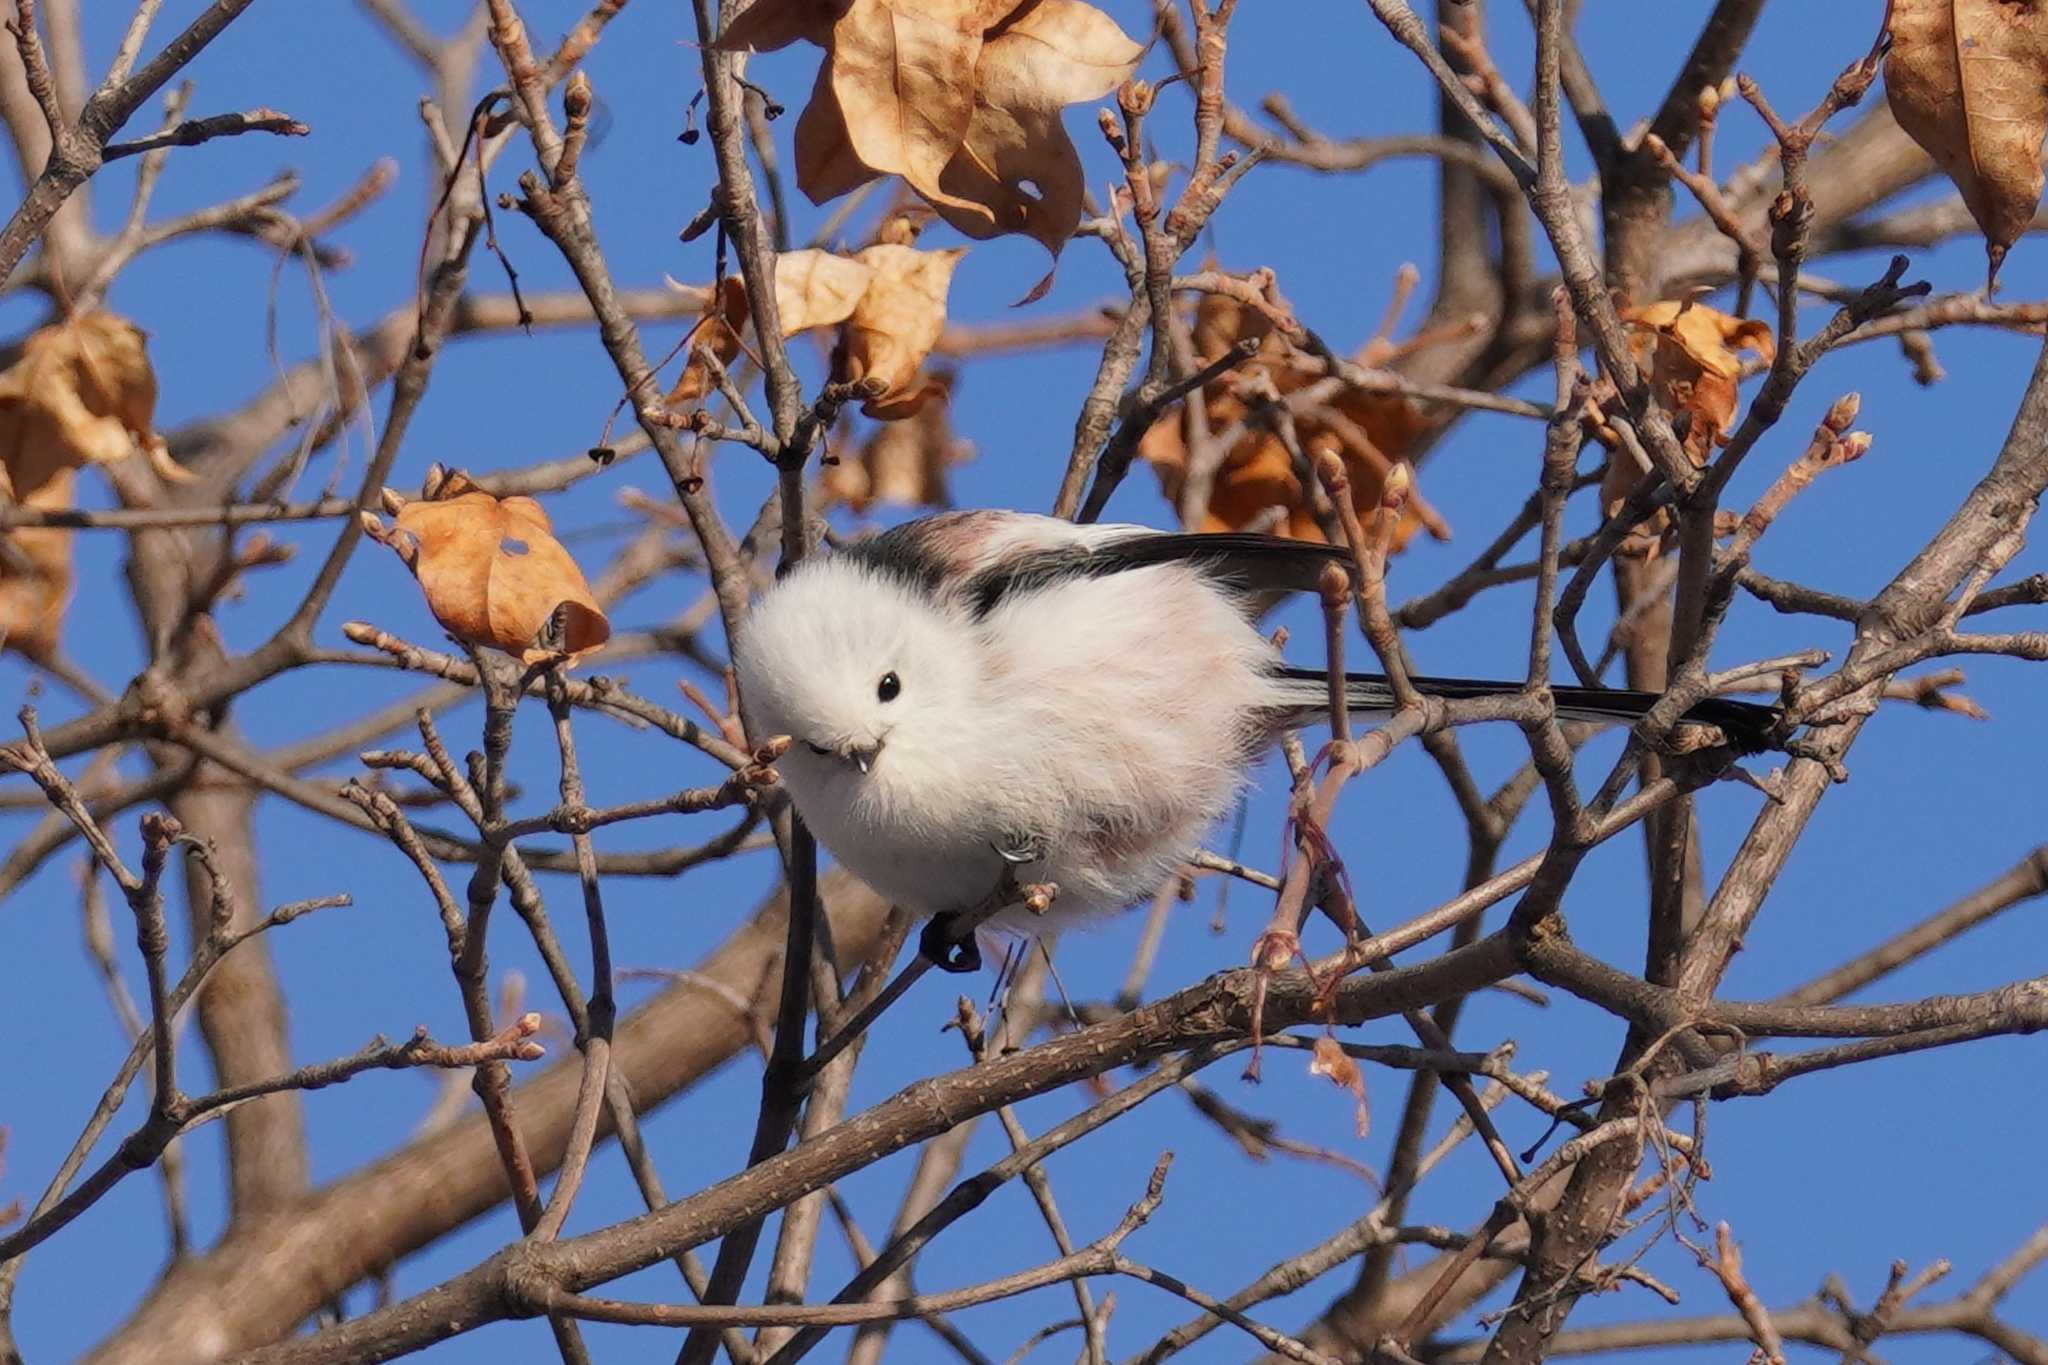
1241	561
1749	726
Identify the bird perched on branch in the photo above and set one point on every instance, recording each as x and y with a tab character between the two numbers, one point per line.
985	698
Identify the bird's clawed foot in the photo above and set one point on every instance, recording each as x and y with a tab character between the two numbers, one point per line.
1018	849
940	944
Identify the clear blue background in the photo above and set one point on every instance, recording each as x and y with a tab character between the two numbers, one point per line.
1917	1158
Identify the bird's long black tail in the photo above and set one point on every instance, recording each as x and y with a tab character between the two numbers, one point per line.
1747	725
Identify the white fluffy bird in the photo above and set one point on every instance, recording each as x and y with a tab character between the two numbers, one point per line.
981	690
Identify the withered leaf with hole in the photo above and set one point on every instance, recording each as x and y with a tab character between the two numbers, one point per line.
961	98
82	392
903	463
1016	166
493	572
1968	81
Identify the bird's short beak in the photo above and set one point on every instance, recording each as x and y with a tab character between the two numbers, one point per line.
861	757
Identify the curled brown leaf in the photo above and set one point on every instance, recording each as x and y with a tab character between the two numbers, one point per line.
1693	355
769	25
82	392
902	73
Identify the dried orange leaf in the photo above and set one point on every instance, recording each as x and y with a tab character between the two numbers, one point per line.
903	463
1707	336
1692	354
1222	321
1968	81
493	572
718	331
896	324
82	392
1333	1061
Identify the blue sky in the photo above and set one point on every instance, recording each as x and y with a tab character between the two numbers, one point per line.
1912	1159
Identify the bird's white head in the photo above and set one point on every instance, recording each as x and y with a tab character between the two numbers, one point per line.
860	669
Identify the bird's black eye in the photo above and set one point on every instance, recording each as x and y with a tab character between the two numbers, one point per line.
889	687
